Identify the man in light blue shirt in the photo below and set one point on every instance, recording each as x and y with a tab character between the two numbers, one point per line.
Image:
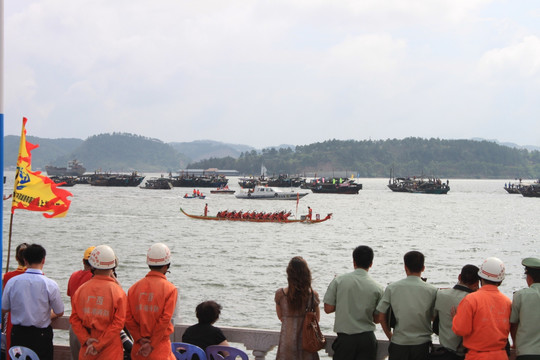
34	300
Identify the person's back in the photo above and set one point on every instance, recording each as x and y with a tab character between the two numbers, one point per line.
151	306
482	318
353	297
446	303
76	279
204	333
99	309
525	317
412	301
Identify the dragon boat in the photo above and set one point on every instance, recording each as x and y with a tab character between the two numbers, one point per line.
282	220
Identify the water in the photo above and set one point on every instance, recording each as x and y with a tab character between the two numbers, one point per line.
241	265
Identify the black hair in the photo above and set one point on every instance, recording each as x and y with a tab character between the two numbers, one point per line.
414	261
208	312
19	253
533	273
469	274
157	267
34	254
86	262
489	282
363	256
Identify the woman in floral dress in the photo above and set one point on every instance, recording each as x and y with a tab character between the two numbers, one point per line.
291	303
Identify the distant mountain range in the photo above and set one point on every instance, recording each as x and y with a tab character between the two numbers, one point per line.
123	152
511	145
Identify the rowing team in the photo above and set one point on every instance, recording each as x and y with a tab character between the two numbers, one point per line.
280	216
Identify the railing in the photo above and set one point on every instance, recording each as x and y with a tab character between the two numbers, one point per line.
258	341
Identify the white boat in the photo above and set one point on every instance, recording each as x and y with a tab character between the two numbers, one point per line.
270	193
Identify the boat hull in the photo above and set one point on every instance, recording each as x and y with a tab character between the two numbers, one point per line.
215	218
198	182
332	189
276	196
116	180
224	192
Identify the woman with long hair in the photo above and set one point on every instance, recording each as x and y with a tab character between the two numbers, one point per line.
291	304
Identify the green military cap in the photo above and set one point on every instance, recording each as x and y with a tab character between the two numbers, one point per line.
531	263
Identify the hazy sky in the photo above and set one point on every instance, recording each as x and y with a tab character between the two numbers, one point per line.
271	72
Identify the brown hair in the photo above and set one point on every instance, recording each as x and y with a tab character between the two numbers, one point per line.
299	279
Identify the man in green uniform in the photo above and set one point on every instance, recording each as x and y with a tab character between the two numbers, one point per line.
354	297
445	308
525	316
412	301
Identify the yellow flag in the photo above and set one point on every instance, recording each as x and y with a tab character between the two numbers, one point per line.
33	191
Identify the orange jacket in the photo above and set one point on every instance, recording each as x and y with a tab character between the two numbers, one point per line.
98	310
483	320
77	279
151	305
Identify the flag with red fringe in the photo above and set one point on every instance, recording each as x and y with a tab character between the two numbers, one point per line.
33	191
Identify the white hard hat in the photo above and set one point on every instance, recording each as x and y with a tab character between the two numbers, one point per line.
492	269
158	255
102	257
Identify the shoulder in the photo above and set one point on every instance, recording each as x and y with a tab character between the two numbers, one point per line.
280	293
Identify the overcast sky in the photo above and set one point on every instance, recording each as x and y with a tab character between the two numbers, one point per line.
272	72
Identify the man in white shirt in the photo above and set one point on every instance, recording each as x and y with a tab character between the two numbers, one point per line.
34	300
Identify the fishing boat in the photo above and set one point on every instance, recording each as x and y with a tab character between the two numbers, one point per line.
336	186
532	190
284	180
157	184
107	179
303	219
269	193
418	185
74	168
251	182
64	180
203	181
513	188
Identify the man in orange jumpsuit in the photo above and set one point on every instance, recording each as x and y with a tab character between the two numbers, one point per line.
151	305
99	309
75	281
483	317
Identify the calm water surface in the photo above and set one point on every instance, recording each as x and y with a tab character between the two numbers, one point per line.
240	265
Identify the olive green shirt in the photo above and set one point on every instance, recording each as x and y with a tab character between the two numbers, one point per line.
526	313
446	300
355	296
412	301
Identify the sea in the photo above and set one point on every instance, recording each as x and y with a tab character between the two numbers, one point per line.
241	265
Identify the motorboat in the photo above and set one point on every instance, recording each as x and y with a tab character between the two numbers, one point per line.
269	193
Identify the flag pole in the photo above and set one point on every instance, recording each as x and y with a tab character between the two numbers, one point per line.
1	132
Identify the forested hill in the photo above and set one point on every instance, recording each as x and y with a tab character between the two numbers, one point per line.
407	157
106	152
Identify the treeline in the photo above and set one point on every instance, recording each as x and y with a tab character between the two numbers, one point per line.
407	157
